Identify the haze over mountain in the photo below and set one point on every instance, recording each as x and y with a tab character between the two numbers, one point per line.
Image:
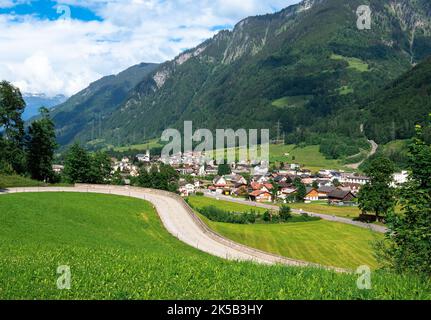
35	101
307	66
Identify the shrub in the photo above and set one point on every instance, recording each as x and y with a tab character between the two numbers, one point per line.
218	215
285	213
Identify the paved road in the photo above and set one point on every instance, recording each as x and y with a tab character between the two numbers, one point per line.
182	223
372	227
374	147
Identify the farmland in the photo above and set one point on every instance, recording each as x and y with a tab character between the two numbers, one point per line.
309	157
117	248
322	242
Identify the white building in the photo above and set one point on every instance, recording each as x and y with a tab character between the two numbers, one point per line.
400	178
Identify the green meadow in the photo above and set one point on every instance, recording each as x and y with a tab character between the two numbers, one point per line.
323	242
117	248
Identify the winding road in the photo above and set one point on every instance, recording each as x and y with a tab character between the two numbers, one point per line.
374	147
180	221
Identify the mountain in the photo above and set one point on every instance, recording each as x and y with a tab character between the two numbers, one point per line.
393	114
35	101
303	67
88	109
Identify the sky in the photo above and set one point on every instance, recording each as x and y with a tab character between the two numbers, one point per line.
55	47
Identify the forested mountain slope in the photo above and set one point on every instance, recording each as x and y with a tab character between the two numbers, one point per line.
308	66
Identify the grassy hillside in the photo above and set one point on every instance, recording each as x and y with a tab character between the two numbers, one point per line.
10	181
117	249
322	242
310	157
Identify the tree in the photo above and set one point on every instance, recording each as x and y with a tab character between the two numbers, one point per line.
12	106
100	168
301	190
274	190
378	196
315	185
336	183
40	147
224	169
77	166
285	213
408	242
162	177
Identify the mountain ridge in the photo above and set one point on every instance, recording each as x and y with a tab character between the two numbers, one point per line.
310	51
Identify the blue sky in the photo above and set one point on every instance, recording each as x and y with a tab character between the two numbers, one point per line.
58	47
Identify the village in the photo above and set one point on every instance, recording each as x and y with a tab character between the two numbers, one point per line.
253	181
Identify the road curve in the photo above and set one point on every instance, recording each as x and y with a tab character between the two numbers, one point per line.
372	227
180	221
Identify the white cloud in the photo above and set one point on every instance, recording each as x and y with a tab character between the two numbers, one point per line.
11	3
52	57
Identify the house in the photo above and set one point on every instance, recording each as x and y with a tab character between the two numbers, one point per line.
353	187
57	168
260	179
236	179
351	178
280	178
260	170
307	181
340	196
260	196
324	182
211	170
219	182
312	195
144	157
400	178
325	191
261	186
187	190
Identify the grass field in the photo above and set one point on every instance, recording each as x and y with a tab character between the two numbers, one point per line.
323	242
324	208
291	101
309	157
354	63
139	147
117	249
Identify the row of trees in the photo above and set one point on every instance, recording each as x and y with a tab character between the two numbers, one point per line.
81	166
30	151
162	177
407	245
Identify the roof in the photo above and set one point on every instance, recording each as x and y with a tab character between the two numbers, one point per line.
269	186
310	189
340	194
258	193
327	189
